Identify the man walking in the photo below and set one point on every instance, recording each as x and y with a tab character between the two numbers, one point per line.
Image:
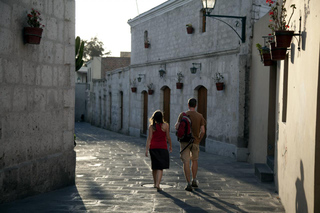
192	151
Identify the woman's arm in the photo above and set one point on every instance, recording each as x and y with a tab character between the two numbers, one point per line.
149	140
168	137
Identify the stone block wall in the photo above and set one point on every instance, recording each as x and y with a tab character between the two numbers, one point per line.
37	99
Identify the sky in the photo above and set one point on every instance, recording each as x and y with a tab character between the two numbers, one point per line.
107	20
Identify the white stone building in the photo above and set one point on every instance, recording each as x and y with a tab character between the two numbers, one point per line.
212	48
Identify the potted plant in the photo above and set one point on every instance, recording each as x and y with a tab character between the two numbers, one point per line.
33	34
179	84
133	85
278	25
219	83
189	28
277	53
265	55
146	44
150	88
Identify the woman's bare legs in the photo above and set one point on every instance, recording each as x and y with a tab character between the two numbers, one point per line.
154	175
158	178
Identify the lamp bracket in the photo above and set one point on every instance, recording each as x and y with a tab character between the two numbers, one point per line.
243	24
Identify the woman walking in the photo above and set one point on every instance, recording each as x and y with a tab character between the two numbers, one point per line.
157	146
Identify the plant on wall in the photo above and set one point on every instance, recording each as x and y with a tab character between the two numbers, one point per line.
278	14
189	28
219	81
265	55
278	23
34	19
150	88
133	84
33	33
179	84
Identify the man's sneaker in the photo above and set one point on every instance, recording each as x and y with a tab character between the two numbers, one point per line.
188	188
194	183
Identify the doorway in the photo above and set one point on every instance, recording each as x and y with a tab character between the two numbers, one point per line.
202	108
166	104
145	112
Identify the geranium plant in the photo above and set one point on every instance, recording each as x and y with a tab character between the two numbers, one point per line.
218	78
180	76
278	14
150	86
34	19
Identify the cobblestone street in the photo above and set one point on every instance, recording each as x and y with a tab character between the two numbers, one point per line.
113	175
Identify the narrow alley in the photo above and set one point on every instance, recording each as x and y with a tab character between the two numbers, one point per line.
113	175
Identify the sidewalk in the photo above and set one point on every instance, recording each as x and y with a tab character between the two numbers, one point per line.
113	175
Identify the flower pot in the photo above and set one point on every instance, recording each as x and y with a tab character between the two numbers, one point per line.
283	38
134	89
189	30
278	53
267	59
150	91
179	85
32	35
146	45
220	86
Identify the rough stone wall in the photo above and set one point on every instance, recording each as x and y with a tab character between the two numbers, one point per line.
37	100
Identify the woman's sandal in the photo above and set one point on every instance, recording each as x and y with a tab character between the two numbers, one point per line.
159	189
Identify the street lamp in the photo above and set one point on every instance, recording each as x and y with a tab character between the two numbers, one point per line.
193	69
208	6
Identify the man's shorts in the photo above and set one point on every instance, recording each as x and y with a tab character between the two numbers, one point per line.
190	153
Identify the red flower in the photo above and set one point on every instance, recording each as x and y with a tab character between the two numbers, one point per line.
271	13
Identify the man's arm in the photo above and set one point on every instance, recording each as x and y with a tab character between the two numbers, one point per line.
202	132
178	121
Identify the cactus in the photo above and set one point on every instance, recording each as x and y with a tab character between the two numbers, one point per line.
79	53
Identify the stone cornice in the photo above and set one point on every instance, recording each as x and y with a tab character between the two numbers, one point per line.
157	11
187	58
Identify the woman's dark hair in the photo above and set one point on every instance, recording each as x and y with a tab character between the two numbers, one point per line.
157	117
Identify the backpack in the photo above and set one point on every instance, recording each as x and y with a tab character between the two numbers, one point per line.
184	132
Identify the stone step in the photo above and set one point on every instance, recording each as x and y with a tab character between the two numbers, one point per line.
263	172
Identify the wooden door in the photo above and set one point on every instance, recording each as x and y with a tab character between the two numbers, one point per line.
166	104
145	112
202	108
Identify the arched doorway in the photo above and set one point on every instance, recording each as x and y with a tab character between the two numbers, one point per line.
202	108
166	103
145	112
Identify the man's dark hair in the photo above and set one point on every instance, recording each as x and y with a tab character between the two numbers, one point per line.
192	102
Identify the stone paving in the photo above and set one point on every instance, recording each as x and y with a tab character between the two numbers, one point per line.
112	174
